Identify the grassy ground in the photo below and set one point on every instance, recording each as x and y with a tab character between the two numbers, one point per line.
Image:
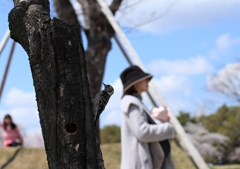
27	158
5	154
35	158
112	157
226	167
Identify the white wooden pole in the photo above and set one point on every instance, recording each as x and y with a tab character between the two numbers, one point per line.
4	41
7	69
192	151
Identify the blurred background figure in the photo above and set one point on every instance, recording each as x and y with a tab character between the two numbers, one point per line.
11	134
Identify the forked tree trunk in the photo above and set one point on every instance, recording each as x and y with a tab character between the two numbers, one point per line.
60	79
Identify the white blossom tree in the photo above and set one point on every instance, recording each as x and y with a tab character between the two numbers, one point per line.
209	145
234	156
227	81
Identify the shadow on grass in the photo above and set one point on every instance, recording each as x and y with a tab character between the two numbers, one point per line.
11	158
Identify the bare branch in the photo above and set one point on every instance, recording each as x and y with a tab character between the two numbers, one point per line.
66	11
126	5
227	82
115	5
86	13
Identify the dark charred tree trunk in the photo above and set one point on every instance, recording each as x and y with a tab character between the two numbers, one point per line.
60	79
98	32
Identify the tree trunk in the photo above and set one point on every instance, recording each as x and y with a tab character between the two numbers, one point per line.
98	32
60	79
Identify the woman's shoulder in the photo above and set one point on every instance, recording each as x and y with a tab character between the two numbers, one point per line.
128	100
131	99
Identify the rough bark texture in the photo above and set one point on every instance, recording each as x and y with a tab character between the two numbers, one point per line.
98	32
66	12
60	79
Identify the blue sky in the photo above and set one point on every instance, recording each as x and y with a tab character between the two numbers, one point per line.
190	42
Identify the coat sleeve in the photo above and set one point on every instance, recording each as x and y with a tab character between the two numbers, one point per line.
144	131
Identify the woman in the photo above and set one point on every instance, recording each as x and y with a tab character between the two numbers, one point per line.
140	137
11	134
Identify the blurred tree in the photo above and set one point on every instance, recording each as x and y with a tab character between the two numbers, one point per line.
185	117
210	145
110	134
227	122
227	81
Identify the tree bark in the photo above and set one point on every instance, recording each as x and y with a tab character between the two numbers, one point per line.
60	79
66	12
98	32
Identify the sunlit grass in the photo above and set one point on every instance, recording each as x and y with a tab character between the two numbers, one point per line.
35	158
226	167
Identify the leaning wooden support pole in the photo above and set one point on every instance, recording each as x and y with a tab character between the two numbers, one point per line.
183	136
4	41
7	69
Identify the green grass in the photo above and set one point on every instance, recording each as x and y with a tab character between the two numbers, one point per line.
35	158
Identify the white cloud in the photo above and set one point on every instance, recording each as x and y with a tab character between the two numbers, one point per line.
178	13
224	44
173	84
176	91
191	66
112	117
16	97
22	107
173	14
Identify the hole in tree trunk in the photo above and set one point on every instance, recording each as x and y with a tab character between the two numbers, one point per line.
71	127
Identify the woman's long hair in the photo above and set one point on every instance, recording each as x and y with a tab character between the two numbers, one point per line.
13	126
130	91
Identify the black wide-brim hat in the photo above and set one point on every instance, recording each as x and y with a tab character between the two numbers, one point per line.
132	75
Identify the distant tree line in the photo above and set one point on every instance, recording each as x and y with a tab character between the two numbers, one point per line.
110	134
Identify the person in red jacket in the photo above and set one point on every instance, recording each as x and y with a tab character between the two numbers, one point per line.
11	134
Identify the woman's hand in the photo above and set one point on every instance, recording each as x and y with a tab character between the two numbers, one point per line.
161	113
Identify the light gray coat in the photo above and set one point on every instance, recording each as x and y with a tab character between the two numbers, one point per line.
140	147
